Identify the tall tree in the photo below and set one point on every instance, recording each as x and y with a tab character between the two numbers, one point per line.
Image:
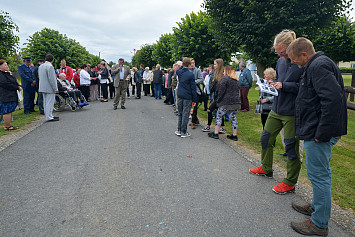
144	56
9	41
49	41
193	38
162	52
254	23
337	40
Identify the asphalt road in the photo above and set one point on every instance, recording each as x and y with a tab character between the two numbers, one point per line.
100	172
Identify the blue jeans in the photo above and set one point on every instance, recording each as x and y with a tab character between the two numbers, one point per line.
320	175
157	89
184	107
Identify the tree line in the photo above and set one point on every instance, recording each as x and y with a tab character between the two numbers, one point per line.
222	29
230	26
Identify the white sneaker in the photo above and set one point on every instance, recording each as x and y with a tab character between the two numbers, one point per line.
222	131
206	129
187	134
178	133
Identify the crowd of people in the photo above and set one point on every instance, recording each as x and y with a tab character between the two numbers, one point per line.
310	106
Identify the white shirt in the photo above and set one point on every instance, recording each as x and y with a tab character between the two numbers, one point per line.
84	78
122	73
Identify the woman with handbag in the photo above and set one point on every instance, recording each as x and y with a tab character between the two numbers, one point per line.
264	103
8	94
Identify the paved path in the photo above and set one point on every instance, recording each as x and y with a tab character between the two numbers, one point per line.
100	172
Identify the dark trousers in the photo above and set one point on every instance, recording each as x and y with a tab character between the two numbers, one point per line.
146	88
205	102
139	89
40	102
112	90
194	118
169	97
213	107
244	98
263	119
104	90
28	101
85	90
134	88
153	91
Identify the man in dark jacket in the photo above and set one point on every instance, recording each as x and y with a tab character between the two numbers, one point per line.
28	83
40	95
321	118
187	96
138	77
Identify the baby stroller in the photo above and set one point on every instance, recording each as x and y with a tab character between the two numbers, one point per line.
63	99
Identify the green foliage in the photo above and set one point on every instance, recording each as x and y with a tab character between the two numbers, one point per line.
193	38
13	62
255	23
48	41
144	56
337	40
162	52
9	41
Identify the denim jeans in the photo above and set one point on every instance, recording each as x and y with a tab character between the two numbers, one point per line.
157	89
184	107
320	175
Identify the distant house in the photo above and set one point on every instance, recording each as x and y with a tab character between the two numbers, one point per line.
350	64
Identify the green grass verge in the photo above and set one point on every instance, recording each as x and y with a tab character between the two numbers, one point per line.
20	119
343	155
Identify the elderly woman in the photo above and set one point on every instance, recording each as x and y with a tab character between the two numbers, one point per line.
146	81
264	103
85	81
8	94
64	85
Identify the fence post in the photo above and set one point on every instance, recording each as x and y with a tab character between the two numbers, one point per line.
352	85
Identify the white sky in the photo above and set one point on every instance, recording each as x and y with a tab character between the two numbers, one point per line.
112	27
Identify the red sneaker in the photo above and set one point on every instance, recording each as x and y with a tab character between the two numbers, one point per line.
260	171
283	188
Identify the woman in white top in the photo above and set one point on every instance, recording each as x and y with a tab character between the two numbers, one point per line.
146	81
85	82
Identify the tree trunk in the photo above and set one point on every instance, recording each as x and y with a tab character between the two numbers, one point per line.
260	69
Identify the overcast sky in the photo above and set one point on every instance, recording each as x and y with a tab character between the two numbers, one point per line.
112	27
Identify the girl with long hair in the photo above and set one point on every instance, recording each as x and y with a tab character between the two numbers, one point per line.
228	100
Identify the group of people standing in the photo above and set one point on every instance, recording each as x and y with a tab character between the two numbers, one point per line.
310	106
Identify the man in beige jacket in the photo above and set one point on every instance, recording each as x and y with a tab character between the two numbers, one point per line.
122	75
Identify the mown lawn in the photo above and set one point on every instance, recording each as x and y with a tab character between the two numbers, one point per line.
20	119
343	155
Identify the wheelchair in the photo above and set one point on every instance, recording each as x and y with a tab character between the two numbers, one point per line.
63	100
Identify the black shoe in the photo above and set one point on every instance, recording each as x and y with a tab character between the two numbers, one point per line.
213	135
54	119
122	107
283	154
232	137
26	112
33	110
114	107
